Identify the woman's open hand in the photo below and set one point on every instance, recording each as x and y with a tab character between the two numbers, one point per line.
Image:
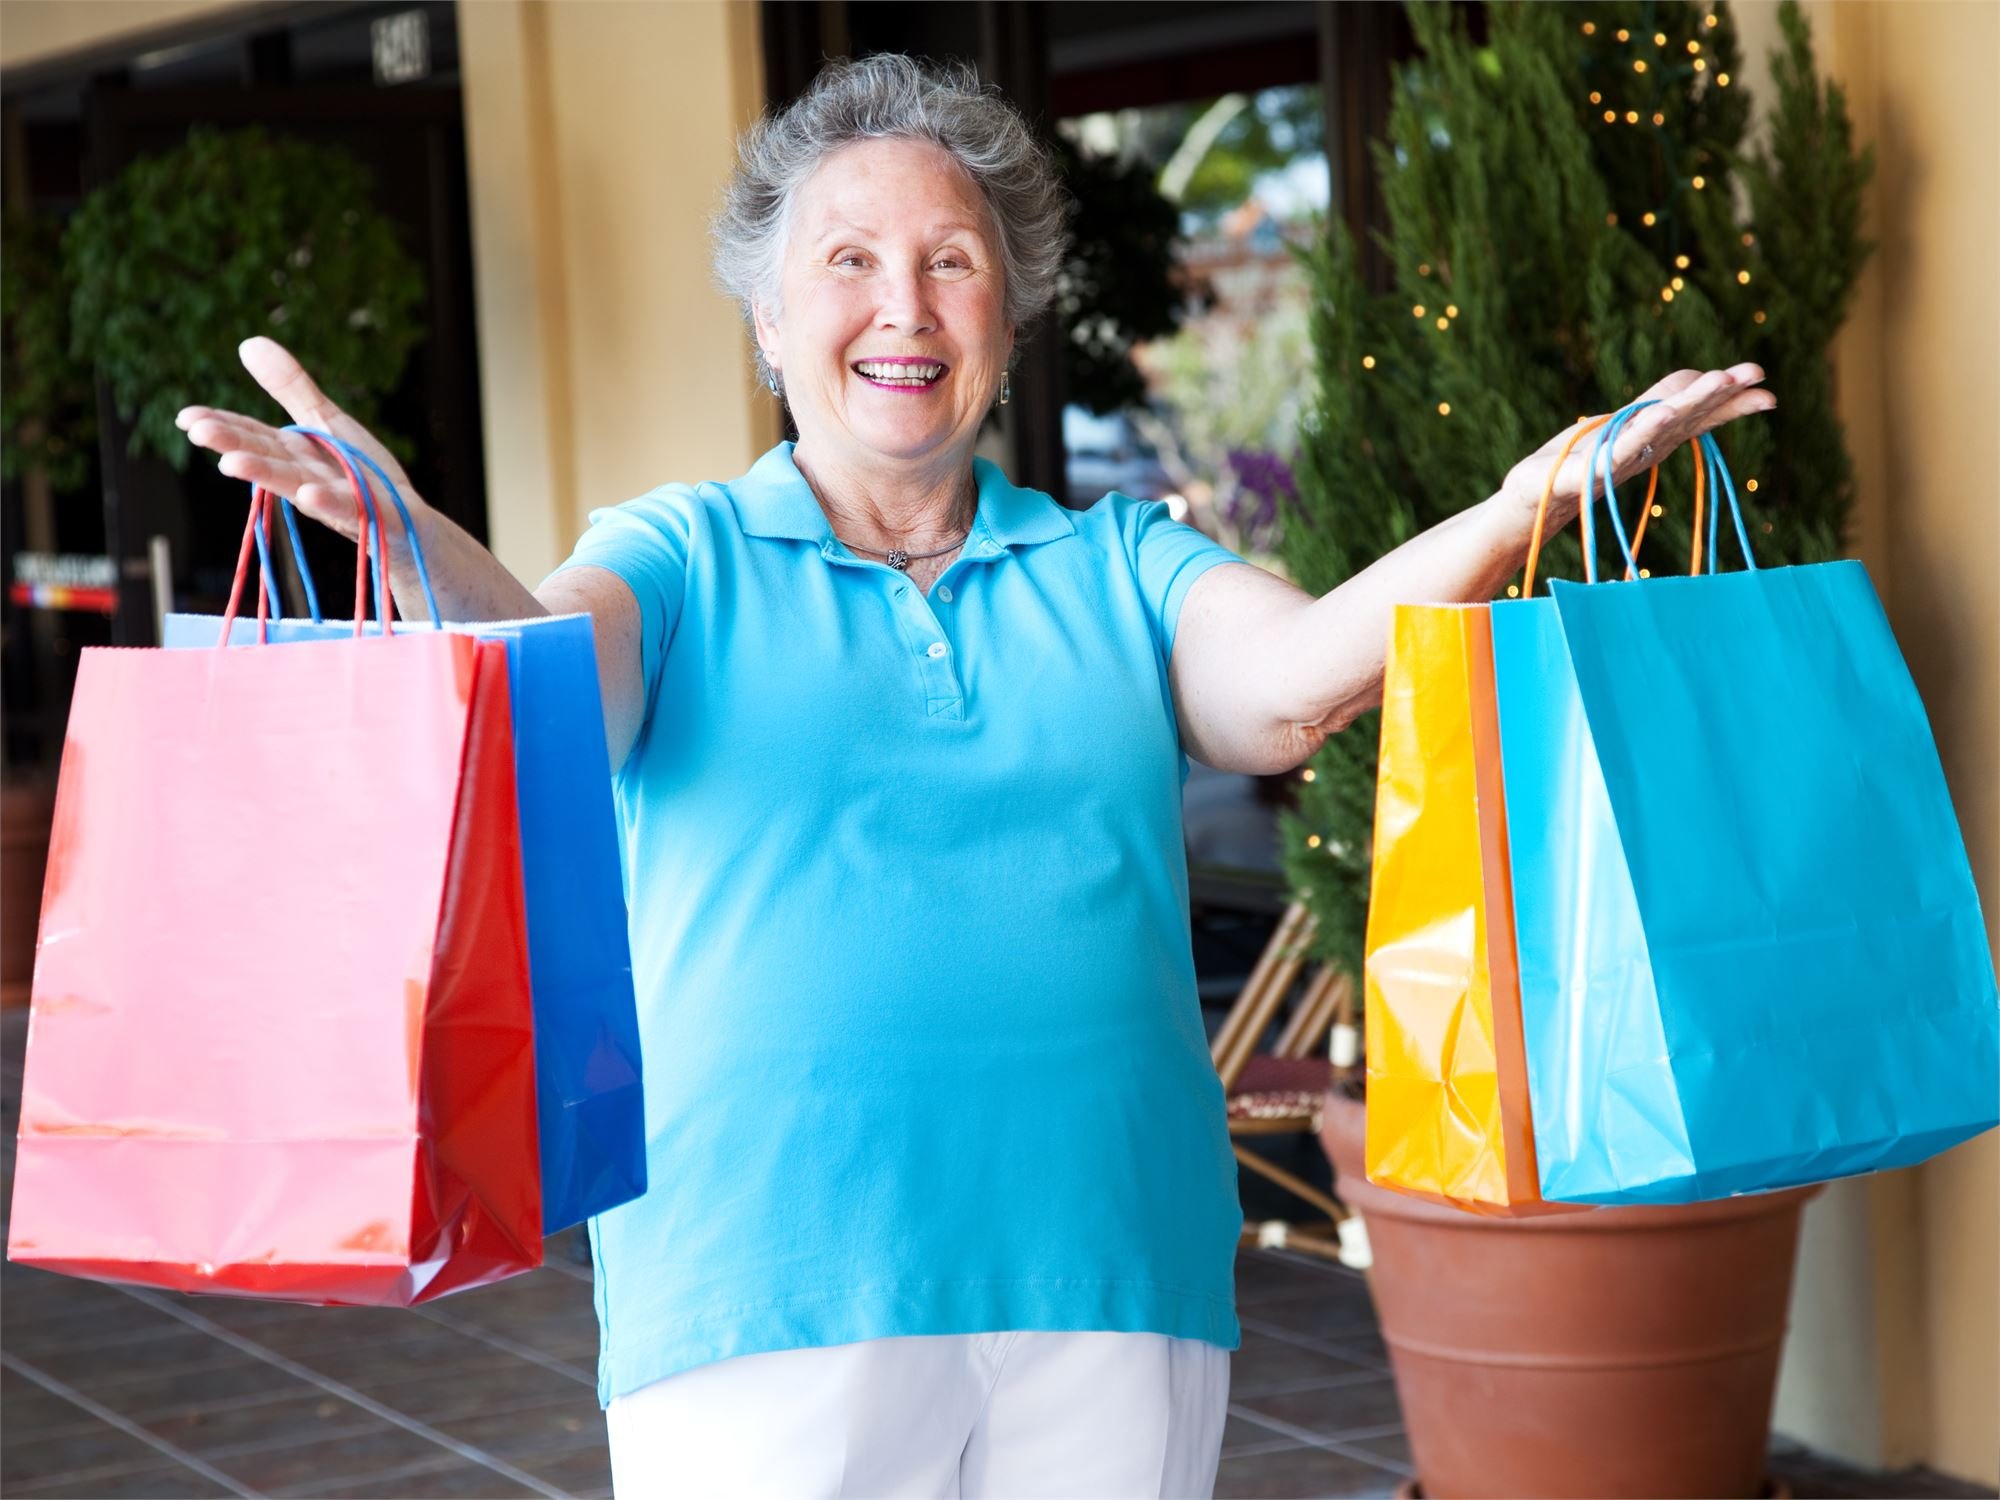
1690	402
286	462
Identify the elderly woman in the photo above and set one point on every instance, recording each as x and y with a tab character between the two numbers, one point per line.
942	1197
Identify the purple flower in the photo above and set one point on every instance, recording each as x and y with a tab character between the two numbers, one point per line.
1262	479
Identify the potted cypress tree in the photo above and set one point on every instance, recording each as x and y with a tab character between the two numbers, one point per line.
1571	213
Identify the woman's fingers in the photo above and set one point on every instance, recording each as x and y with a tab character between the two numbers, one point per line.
273	367
1718	396
289	463
283	462
1672	387
1687	392
322	498
225	432
1689	404
251	450
279	479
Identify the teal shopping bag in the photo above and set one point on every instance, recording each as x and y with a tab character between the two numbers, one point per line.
589	1086
1751	951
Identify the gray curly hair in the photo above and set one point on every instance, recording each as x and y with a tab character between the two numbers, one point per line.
891	96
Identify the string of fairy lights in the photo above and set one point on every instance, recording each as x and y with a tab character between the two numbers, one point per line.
1694	63
1663	70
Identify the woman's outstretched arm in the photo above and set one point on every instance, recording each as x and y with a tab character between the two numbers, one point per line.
470	582
1262	672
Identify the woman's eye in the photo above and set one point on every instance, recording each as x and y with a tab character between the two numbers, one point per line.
851	258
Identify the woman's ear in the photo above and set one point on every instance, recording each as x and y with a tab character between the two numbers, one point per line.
767	331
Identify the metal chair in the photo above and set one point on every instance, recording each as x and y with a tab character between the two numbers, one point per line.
1283	1090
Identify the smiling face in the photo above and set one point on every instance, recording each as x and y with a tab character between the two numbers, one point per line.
890	331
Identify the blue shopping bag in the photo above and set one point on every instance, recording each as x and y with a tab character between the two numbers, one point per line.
587	1062
1751	951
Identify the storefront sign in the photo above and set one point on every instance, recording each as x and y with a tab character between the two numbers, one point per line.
401	45
44	580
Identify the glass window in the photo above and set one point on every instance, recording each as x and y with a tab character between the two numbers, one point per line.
1211	421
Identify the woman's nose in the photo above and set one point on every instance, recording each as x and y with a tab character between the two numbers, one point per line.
906	304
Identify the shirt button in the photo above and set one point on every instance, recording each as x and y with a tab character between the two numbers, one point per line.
938	649
944	593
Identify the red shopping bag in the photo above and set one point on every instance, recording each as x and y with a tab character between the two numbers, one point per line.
281	1043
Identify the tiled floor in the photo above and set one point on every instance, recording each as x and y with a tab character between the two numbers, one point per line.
109	1391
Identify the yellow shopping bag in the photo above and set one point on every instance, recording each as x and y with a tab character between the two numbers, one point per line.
1448	1113
1448	1108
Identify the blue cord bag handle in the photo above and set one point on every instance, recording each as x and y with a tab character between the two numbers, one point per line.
256	537
355	456
1707	452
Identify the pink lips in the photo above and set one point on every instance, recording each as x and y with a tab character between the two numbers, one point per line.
902	359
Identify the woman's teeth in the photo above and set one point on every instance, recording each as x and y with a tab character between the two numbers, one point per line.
899	374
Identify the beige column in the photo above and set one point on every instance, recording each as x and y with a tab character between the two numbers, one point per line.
599	135
1894	1354
1936	127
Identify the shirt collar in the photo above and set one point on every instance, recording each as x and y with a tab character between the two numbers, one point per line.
774	500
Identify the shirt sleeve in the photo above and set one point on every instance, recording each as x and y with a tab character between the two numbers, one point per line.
646	542
1167	557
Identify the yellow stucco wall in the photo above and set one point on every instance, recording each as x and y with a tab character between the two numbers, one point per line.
1895	1353
1924	84
599	135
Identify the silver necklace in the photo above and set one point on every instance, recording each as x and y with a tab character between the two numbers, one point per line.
897	558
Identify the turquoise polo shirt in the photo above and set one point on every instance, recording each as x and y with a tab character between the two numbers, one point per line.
909	915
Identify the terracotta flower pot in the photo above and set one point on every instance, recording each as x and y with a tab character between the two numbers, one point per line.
1625	1352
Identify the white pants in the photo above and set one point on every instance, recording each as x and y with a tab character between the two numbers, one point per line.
986	1416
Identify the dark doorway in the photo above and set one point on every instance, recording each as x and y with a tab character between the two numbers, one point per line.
1060	61
309	72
